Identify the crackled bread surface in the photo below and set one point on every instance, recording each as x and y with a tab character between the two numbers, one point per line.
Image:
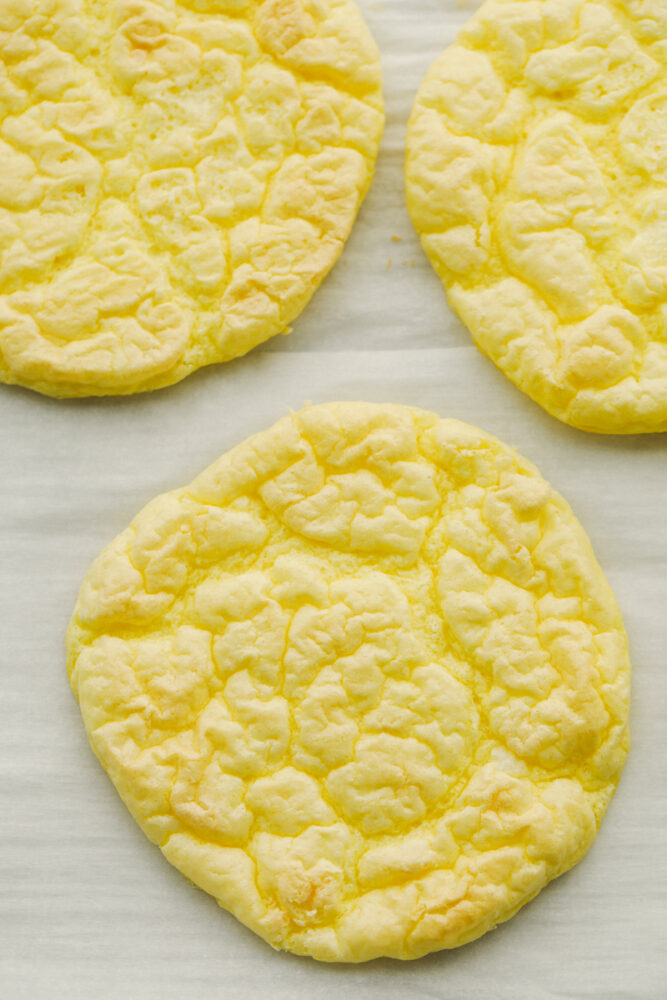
363	681
537	179
176	179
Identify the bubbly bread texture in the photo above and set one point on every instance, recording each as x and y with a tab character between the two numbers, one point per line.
537	179
176	179
363	681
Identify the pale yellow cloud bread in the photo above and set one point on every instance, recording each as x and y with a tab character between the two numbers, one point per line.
537	179
176	179
363	681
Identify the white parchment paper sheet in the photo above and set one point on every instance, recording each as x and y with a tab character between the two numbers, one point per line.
88	908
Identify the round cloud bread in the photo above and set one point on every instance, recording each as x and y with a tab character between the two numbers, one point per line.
176	179
363	681
537	179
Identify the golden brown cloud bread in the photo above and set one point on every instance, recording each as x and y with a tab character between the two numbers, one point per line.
537	179
363	681
176	179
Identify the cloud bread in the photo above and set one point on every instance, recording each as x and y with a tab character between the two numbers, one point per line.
176	179
363	681
537	179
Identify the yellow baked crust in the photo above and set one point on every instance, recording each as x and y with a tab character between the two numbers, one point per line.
363	681
176	179
536	179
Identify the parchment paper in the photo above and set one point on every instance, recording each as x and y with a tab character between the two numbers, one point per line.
89	910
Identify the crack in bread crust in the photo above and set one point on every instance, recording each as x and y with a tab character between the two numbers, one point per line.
176	179
535	178
362	680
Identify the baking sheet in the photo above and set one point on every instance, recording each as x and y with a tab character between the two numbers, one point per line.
88	908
